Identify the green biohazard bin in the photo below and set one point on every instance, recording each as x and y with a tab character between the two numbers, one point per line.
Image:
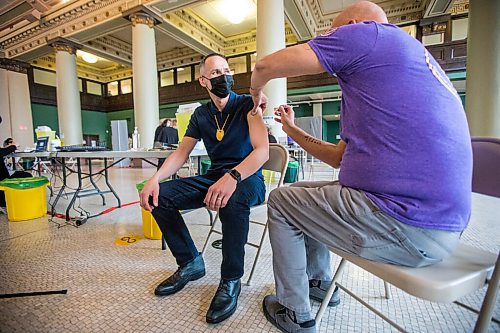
149	226
292	172
205	165
25	197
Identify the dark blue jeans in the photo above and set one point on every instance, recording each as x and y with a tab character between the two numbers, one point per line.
189	193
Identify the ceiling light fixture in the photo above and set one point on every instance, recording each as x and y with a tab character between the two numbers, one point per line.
235	11
87	57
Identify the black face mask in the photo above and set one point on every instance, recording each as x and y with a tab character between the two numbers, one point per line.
221	85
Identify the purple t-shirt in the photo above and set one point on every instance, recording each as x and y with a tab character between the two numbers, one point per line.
408	143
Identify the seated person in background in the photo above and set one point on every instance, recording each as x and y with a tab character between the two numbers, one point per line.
9	146
237	145
270	137
404	192
165	134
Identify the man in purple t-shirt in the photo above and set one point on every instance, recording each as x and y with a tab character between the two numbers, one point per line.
403	195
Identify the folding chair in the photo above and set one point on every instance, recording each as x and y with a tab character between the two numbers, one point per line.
318	166
278	162
466	270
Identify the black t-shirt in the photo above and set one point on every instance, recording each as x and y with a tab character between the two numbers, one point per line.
235	145
4	173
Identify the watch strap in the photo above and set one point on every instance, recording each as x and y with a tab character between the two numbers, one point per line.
235	174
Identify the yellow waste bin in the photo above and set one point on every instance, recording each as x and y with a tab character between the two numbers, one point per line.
25	197
149	225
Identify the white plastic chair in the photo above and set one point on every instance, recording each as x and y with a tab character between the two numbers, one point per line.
278	162
465	271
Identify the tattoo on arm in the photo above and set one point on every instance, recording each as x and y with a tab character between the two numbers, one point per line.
313	140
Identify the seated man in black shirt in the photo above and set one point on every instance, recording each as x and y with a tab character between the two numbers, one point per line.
237	145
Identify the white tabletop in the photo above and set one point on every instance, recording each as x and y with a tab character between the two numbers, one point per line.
31	154
109	154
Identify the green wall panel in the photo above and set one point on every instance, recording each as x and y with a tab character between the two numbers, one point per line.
330	108
95	123
45	115
168	112
303	110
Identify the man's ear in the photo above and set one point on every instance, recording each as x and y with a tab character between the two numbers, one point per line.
202	83
352	21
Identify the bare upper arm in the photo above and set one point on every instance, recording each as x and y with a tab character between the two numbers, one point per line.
186	146
292	61
257	130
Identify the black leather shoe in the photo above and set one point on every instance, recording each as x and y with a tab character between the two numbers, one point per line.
193	270
224	302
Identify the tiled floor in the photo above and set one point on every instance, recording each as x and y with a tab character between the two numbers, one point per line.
110	287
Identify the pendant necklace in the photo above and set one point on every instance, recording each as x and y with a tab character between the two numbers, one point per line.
219	134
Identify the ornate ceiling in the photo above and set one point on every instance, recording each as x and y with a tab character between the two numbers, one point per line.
186	29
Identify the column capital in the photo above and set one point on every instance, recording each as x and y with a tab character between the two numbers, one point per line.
142	15
140	18
14	65
62	44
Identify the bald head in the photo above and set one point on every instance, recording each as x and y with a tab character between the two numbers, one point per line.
359	12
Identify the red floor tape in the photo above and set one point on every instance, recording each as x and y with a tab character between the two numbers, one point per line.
109	210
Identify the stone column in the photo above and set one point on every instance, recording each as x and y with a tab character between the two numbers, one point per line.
15	103
318	110
21	118
68	95
5	127
146	102
271	38
483	68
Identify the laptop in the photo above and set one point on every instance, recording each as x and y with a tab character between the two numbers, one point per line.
42	143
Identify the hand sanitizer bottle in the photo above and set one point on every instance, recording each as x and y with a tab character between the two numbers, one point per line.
135	139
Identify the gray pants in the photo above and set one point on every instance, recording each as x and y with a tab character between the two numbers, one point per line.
307	217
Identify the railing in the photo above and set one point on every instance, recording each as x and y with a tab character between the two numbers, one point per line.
452	56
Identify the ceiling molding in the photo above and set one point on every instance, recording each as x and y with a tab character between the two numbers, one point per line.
62	23
14	65
86	71
110	48
460	7
177	57
297	13
247	42
184	26
397	13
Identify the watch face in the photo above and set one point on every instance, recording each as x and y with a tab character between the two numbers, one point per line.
235	174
